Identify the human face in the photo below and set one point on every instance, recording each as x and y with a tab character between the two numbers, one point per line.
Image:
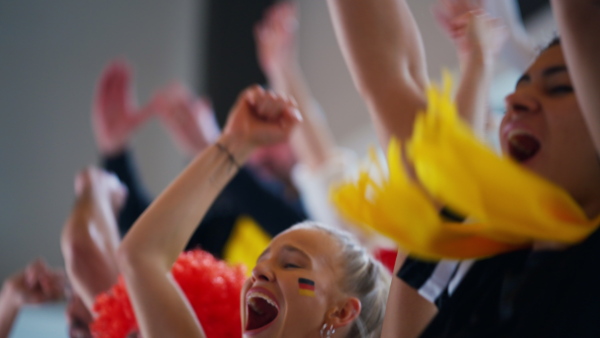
544	129
273	288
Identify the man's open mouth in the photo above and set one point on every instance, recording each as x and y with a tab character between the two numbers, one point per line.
261	310
522	146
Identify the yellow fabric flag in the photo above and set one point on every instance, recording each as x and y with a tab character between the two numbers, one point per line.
508	206
245	244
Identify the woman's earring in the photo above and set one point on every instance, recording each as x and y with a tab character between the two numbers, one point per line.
327	332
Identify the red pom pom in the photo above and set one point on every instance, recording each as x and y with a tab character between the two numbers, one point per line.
211	286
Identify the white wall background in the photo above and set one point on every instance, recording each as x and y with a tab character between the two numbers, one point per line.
51	54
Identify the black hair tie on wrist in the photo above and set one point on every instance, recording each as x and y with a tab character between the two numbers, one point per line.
229	154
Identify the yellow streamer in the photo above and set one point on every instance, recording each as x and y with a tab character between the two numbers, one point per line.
508	206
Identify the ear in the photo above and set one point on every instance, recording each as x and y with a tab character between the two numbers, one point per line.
345	313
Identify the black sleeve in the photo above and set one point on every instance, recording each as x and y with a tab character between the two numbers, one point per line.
244	195
138	199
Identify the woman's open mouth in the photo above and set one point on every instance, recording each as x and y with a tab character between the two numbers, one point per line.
522	146
261	310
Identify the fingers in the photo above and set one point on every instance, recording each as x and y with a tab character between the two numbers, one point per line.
121	87
109	76
251	95
52	284
279	10
452	12
284	15
42	283
113	108
161	100
161	103
84	179
468	25
101	184
281	17
278	110
262	117
170	103
81	182
440	17
485	23
174	98
275	37
270	106
189	120
186	112
142	115
114	84
117	190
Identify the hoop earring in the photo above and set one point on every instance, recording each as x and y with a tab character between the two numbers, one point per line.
327	332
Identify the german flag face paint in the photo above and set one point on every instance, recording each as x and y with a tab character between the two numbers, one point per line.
306	287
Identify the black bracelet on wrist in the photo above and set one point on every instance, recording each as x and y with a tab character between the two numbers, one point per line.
229	154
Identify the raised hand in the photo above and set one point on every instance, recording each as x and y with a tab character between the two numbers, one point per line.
90	236
114	113
102	187
36	284
275	38
150	248
189	120
477	38
474	32
261	118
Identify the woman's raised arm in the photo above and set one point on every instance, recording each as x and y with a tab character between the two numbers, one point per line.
151	247
382	47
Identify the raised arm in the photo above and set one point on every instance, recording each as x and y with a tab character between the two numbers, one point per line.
578	23
90	236
382	47
35	284
189	120
275	38
115	116
520	49
160	234
477	38
114	112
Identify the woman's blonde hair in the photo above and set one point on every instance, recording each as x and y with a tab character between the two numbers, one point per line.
364	278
